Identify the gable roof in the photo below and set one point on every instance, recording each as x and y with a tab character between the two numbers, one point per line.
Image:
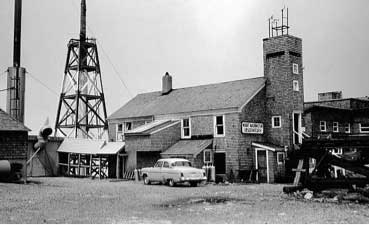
232	94
8	123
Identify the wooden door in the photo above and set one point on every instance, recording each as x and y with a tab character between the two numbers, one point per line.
220	163
262	166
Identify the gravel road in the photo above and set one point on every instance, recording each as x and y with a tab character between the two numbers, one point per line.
73	200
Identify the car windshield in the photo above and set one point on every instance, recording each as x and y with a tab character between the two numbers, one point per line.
181	163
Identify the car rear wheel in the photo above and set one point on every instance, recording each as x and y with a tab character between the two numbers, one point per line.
146	180
171	183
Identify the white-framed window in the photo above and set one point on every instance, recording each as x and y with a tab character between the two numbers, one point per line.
207	156
280	158
364	127
323	126
219	126
295	85
121	129
335	127
348	128
295	68
186	128
276	121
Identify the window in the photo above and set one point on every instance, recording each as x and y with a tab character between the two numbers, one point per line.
119	132
280	158
323	126
207	156
186	128
347	128
296	85
219	126
121	129
337	151
295	68
159	164
166	165
276	122
335	127
364	127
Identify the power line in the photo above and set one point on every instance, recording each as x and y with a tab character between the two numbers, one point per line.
43	84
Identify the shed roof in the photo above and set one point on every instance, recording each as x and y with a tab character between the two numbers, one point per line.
8	123
88	146
233	94
188	147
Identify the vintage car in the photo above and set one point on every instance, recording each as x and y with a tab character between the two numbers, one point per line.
172	171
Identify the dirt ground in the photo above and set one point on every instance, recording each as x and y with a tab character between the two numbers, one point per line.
73	200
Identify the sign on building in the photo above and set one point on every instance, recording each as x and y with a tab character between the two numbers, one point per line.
252	128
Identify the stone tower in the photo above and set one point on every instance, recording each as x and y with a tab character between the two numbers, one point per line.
283	69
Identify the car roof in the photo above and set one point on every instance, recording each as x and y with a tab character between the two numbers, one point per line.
170	160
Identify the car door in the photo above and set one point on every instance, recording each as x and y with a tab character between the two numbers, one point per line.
155	173
165	171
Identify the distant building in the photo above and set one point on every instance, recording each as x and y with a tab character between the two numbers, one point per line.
237	126
337	119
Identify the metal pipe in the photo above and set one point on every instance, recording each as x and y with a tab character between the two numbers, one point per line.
17	32
83	20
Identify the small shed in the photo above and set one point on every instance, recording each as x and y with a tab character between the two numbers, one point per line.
93	158
13	144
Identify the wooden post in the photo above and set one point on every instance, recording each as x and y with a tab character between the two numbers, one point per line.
99	167
79	164
90	165
68	164
298	172
117	166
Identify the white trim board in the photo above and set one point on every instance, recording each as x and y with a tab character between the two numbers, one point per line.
263	147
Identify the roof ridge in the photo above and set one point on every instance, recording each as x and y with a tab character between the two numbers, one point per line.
202	85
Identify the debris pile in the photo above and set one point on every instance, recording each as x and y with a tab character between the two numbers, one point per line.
354	194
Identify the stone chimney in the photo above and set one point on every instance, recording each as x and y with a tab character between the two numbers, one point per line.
167	84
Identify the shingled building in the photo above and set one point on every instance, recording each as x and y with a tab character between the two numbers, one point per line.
238	126
13	143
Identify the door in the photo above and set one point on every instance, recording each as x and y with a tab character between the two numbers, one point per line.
262	166
220	162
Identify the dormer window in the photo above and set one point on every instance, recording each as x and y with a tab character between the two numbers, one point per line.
295	68
186	128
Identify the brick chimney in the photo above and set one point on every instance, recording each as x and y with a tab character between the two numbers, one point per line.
167	84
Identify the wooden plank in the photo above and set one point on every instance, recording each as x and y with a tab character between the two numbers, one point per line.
91	165
100	167
79	164
117	167
68	164
298	173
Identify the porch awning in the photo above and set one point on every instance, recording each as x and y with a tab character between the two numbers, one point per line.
267	146
88	146
188	147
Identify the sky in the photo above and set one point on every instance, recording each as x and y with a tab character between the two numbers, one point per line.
196	41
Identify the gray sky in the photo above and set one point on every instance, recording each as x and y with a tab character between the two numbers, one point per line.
196	41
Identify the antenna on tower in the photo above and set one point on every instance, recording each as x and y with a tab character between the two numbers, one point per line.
274	28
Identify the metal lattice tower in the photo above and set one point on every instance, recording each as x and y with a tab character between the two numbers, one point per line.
81	111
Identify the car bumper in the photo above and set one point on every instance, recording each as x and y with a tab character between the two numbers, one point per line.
191	179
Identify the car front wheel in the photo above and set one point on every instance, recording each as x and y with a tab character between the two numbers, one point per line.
146	180
193	184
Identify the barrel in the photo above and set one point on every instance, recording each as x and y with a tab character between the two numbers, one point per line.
5	168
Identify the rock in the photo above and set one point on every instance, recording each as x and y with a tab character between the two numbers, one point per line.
308	196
